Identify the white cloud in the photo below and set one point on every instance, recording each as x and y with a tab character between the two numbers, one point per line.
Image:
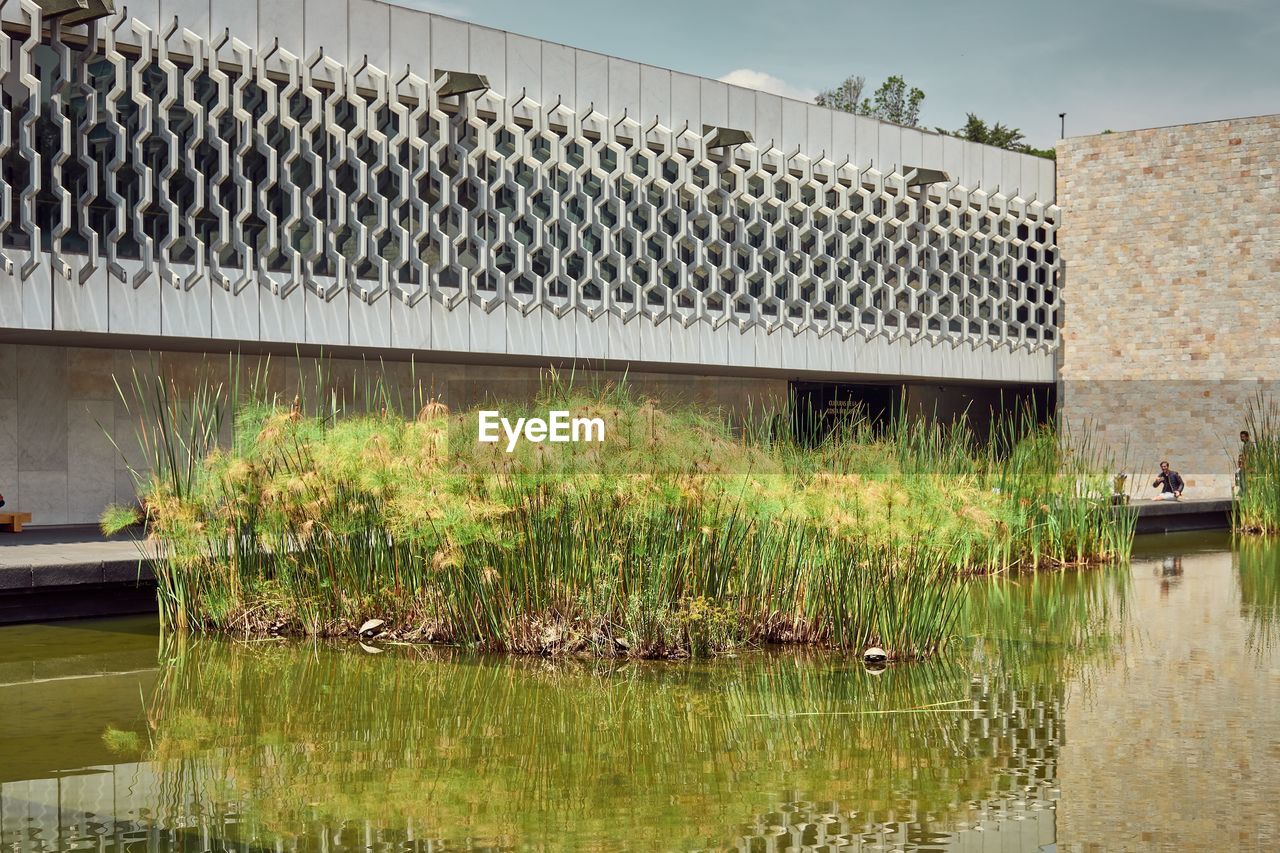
767	83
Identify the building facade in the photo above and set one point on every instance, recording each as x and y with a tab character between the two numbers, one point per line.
1171	240
378	182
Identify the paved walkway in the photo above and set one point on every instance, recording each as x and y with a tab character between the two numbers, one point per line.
64	557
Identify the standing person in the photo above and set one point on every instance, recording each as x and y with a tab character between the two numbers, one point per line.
1170	483
1242	460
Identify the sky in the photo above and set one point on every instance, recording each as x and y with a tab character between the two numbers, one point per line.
1108	64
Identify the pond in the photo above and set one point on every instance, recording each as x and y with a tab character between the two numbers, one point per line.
1129	708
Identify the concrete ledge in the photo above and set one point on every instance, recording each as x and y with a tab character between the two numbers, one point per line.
71	573
1175	516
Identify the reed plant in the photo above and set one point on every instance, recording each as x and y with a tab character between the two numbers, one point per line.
1257	508
677	535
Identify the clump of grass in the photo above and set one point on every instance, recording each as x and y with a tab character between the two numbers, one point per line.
677	535
120	742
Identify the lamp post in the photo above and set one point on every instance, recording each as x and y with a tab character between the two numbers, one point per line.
1062	127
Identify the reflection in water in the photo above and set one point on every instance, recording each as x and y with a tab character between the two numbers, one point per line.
326	747
1258	566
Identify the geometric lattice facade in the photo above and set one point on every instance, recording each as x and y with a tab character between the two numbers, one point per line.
215	162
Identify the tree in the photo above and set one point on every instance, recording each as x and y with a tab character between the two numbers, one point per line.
977	130
1009	138
894	100
897	103
847	97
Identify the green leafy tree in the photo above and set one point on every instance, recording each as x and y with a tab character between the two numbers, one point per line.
847	97
977	130
894	101
897	102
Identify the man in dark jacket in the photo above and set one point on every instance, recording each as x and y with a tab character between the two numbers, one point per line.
1170	483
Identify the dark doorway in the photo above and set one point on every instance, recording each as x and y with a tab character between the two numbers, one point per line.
821	407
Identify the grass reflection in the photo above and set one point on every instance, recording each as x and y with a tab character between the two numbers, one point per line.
1258	568
298	739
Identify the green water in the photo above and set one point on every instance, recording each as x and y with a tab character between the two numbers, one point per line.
1132	708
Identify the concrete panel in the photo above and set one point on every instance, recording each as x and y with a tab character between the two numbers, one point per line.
931	151
192	15
88	434
889	153
524	331
844	133
953	159
489	57
488	329
282	318
450	45
411	324
325	25
524	69
912	148
44	493
795	127
740	349
713	344
450	329
715	103
369	33
592	81
769	346
1011	164
186	313
8	372
655	340
559	334
973	174
819	121
135	310
768	120
866	143
235	317
42	409
326	320
410	42
624	89
992	169
624	339
559	74
11	294
686	102
742	109
369	323
1047	180
684	342
282	19
238	16
655	95
79	307
592	336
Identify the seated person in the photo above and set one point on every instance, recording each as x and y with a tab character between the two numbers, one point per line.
1170	482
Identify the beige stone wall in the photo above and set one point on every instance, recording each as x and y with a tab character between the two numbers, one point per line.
67	438
1170	240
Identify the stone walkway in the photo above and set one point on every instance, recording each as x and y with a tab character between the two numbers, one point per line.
67	557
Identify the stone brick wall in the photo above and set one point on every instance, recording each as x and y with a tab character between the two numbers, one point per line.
1170	240
67	438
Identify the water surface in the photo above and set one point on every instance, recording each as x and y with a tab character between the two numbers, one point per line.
1133	708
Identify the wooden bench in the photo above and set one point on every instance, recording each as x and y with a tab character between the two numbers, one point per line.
14	520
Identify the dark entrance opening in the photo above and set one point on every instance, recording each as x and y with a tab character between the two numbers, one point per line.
819	407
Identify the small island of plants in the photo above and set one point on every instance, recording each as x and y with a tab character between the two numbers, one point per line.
678	535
